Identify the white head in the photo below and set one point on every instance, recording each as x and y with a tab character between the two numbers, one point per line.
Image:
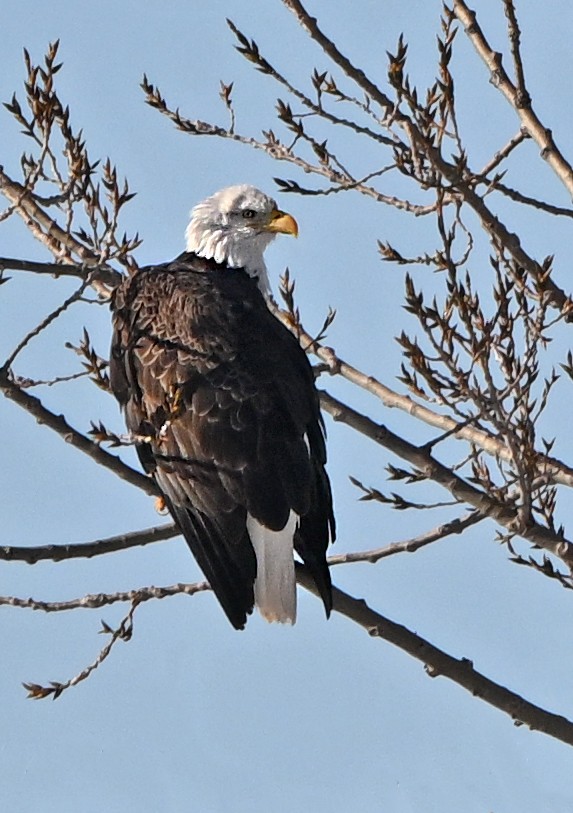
235	225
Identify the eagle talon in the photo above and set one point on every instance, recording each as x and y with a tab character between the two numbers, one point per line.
161	506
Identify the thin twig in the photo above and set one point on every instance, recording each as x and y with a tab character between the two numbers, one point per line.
535	203
514	36
504	152
94	601
123	632
455	526
51	317
28	383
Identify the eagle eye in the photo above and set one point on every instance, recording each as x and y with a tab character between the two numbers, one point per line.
249	214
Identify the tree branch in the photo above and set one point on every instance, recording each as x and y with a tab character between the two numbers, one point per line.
94	601
542	136
464	492
555	469
123	633
47	231
58	424
455	526
268	69
59	553
108	276
451	172
437	662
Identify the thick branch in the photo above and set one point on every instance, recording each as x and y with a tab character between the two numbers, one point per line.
464	492
552	468
438	662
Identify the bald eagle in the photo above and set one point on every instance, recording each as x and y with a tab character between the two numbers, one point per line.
221	402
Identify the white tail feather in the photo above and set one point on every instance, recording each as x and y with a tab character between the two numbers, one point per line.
275	585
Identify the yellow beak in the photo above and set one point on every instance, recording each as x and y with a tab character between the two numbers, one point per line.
282	223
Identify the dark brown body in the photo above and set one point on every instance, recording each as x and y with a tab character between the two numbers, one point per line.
222	401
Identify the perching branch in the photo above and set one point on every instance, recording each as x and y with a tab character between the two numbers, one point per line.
439	663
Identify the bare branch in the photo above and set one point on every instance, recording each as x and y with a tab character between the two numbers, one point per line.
98	547
267	68
450	171
108	276
505	152
58	424
46	322
439	663
502	513
528	200
558	471
47	231
514	35
455	526
275	149
310	25
96	600
123	633
517	98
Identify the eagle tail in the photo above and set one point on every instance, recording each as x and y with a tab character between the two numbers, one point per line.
275	585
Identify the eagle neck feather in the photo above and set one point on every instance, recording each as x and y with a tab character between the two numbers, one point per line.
232	249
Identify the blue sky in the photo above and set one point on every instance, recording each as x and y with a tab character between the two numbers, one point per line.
191	715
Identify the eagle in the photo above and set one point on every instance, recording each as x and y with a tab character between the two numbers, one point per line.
220	401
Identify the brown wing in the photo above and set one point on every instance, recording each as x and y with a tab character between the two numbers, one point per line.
226	397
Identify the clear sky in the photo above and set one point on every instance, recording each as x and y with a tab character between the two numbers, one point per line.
191	715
